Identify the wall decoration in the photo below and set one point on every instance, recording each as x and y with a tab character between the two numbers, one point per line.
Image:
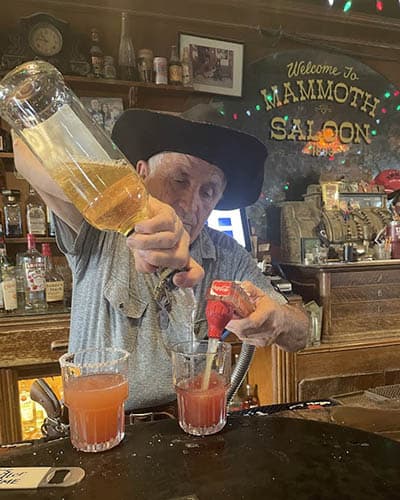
45	37
217	64
104	110
322	115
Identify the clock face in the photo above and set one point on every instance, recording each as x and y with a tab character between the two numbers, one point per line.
45	40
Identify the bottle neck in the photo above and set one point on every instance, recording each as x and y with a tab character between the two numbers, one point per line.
124	25
31	242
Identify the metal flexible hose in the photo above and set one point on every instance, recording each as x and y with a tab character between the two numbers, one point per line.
241	369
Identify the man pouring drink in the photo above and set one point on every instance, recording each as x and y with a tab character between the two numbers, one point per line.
188	166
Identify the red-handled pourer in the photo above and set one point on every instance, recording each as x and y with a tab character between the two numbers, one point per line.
224	299
218	314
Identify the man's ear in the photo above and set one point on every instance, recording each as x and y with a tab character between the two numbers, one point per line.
142	168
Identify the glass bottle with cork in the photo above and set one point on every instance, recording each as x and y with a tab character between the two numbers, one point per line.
174	67
54	280
12	213
126	53
33	264
35	214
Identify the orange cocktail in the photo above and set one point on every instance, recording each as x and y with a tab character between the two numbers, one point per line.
96	409
95	388
202	408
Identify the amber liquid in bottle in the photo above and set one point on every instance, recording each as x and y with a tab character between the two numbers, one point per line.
114	199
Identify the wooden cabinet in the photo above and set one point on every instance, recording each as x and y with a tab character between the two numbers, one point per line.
360	343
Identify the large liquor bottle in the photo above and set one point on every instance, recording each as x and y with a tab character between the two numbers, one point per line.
54	280
126	54
83	160
35	214
33	264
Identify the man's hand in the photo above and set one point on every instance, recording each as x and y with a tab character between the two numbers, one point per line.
270	322
161	241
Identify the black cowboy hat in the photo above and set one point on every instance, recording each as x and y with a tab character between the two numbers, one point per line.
141	134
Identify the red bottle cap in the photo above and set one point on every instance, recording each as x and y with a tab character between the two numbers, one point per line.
46	250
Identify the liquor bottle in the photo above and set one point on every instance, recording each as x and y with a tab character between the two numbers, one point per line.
8	286
3	262
12	213
5	141
126	54
54	280
109	198
174	67
96	54
251	399
187	68
35	214
34	275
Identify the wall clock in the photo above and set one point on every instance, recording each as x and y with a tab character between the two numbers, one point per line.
45	39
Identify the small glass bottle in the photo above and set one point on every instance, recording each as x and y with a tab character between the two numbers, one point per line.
35	214
174	67
34	274
126	53
5	141
187	68
12	214
54	280
3	263
96	54
251	399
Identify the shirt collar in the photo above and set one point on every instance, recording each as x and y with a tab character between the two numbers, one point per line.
203	247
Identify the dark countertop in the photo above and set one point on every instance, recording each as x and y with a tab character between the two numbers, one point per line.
254	457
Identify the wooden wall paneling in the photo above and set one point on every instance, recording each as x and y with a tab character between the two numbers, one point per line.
10	428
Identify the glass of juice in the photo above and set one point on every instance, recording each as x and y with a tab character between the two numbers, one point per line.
95	387
201	376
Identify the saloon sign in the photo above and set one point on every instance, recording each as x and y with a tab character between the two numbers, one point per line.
309	81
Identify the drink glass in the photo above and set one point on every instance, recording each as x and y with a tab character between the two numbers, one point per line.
201	407
95	387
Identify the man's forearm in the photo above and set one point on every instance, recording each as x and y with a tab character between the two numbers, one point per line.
295	324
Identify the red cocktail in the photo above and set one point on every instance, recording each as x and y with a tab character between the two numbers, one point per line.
201	379
202	408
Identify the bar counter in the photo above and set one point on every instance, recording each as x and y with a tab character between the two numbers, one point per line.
254	457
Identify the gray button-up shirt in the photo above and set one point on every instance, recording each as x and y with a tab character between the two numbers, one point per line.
113	305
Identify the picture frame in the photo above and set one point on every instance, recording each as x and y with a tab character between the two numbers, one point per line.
217	63
104	110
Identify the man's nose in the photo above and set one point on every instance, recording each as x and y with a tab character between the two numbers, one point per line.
189	200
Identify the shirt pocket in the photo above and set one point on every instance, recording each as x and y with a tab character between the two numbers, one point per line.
127	302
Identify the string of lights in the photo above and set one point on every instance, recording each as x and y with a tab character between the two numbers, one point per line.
348	4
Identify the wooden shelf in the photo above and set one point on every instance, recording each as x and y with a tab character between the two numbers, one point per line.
38	239
82	82
6	155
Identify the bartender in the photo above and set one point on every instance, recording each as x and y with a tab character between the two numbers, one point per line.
190	166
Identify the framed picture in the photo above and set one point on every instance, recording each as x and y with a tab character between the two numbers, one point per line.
217	64
104	110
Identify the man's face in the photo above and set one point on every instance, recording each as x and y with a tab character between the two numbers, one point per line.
95	105
191	186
